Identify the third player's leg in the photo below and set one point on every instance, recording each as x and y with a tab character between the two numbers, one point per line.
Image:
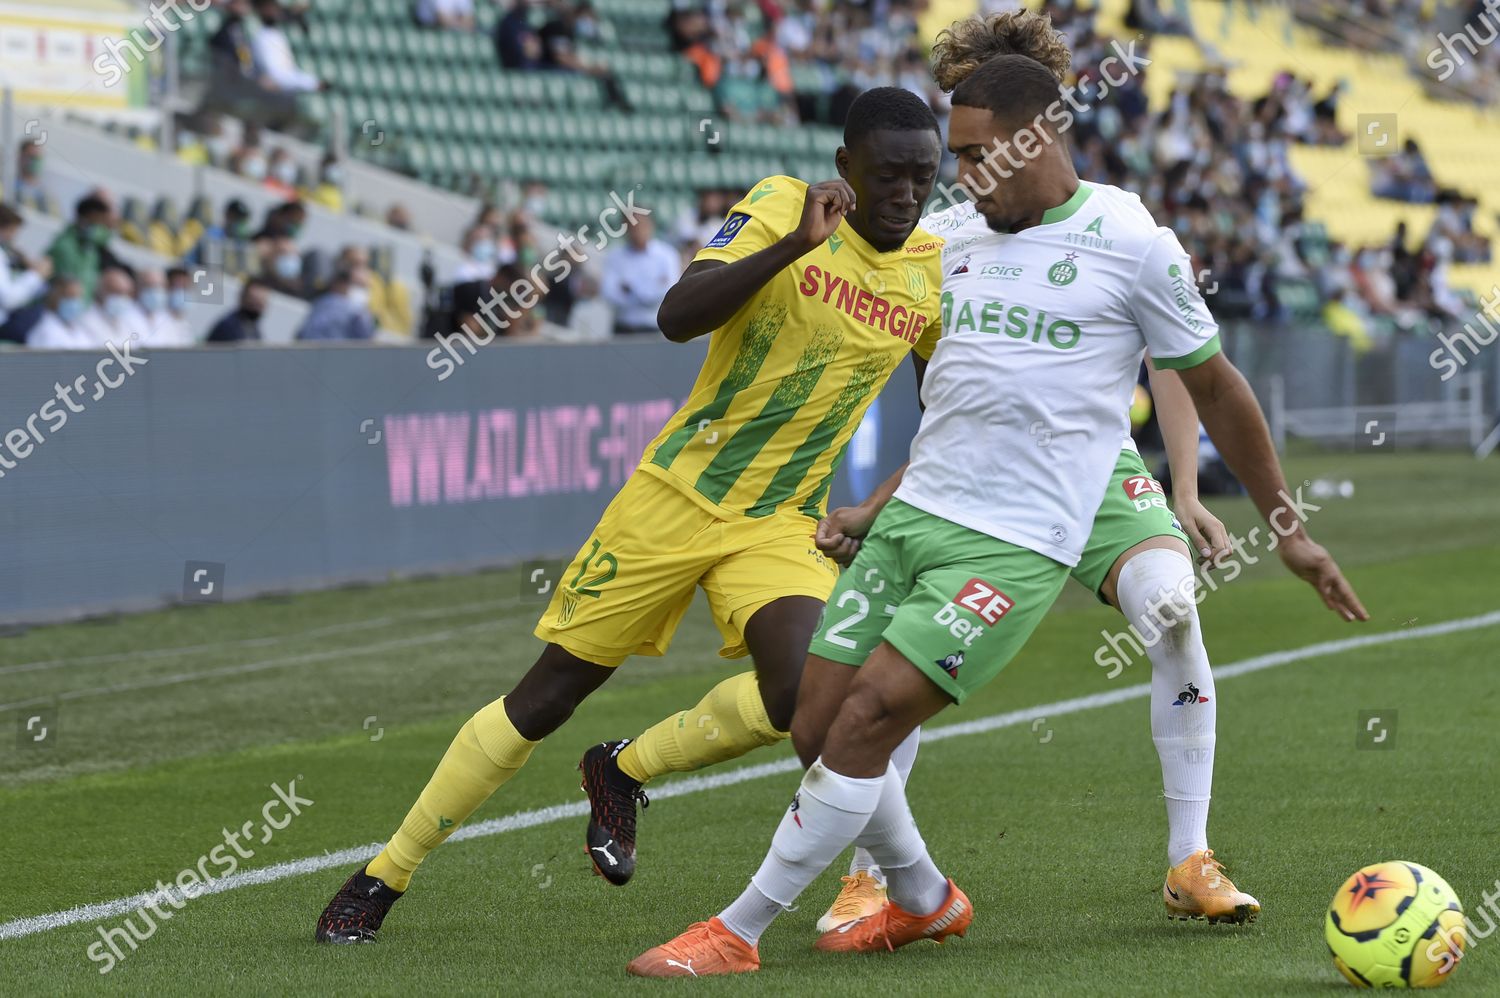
778	635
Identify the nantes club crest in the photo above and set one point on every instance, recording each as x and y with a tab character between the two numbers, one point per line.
916	281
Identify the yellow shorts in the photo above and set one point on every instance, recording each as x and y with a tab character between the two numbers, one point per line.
626	590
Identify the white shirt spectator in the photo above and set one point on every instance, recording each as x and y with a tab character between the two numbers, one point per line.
636	280
17	288
165	328
115	323
52	333
273	59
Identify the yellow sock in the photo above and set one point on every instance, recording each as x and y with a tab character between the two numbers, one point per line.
487	752
726	724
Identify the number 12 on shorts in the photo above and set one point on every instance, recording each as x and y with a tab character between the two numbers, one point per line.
603	565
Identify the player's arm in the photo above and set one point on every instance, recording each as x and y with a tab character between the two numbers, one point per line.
1182	336
1179	432
710	292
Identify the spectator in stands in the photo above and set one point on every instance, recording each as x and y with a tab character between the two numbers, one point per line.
163	300
225	243
250	163
229	47
23	281
283	221
517	41
398	216
480	256
82	249
343	311
274	64
1403	177
59	327
30	190
329	190
559	38
282	266
115	317
281	174
591	319
244	322
452	15
637	276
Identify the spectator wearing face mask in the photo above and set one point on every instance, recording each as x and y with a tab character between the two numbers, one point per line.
82	249
481	256
282	267
244	322
163	300
60	326
343	311
115	317
281	174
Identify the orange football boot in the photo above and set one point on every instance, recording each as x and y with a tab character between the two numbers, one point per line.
704	950
1198	887
861	895
893	926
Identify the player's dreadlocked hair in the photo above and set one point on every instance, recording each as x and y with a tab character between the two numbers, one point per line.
893	108
965	45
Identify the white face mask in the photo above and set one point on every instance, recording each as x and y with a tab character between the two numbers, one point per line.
286	172
358	297
254	167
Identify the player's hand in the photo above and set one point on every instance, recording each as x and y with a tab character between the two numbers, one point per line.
1206	531
826	205
841	532
1312	563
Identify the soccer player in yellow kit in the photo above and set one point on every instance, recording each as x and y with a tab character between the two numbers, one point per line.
813	296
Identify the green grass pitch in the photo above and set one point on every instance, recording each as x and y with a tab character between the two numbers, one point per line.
172	726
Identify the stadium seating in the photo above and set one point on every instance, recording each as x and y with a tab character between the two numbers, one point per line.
451	114
1259	41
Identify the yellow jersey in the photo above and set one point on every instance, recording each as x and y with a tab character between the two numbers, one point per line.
789	377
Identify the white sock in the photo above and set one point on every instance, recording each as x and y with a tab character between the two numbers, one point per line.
903	758
891	836
1184	704
828	811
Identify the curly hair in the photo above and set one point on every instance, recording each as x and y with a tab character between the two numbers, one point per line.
965	45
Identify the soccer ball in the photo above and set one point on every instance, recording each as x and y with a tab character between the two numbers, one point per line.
1395	925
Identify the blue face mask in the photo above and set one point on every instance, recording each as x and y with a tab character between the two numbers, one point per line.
69	310
176	299
289	266
117	306
484	251
153	299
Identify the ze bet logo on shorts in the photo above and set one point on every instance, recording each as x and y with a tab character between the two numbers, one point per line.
1145	492
980	598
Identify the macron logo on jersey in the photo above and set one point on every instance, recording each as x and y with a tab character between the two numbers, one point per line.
871	309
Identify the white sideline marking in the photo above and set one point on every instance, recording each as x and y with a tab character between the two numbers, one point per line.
31	925
262	642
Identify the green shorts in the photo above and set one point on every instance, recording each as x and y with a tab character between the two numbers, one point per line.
1133	510
957	603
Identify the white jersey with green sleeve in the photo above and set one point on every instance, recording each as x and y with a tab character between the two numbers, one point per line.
1028	391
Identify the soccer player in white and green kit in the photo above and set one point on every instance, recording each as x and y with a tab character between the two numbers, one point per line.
982	532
